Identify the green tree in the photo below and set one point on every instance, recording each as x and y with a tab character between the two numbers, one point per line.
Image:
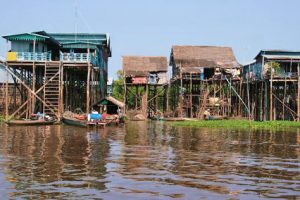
118	86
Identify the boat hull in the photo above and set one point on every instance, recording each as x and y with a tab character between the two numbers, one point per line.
74	122
29	122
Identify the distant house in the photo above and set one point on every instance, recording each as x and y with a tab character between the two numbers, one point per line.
260	68
200	76
145	69
69	68
144	76
204	61
273	85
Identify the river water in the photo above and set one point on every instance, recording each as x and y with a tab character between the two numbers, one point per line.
148	160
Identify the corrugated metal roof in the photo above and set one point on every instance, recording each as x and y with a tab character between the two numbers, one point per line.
63	38
26	37
284	57
277	52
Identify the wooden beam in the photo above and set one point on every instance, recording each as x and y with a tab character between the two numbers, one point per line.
88	85
28	88
271	96
62	89
298	93
6	94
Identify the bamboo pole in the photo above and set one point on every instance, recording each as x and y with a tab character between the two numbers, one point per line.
125	92
88	87
271	96
191	97
298	93
33	76
181	93
6	94
62	89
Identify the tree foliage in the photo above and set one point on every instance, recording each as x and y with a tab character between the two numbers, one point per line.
118	86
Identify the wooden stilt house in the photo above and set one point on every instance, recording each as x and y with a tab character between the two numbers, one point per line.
272	85
57	71
201	80
146	83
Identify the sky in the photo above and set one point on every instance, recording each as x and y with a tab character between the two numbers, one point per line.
151	27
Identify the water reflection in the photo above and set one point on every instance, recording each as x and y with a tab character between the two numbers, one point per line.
148	161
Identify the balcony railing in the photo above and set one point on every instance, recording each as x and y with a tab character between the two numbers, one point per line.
78	57
28	56
74	57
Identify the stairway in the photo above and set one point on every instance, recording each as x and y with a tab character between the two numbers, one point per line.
203	101
52	89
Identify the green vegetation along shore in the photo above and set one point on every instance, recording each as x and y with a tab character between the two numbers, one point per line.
237	124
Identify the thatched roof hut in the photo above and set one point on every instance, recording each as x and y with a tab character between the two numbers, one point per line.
192	57
144	65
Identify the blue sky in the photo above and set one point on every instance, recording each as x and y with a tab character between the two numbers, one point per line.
140	27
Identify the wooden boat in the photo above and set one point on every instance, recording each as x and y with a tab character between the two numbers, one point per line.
29	122
82	123
74	122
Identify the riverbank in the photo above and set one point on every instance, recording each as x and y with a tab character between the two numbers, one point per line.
237	124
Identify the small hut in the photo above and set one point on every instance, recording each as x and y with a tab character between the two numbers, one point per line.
146	83
110	105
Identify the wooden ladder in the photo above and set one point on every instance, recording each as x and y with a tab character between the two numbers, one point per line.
52	89
203	103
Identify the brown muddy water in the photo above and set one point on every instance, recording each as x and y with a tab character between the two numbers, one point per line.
148	161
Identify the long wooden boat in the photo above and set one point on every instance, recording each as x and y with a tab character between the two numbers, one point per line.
74	122
82	123
29	122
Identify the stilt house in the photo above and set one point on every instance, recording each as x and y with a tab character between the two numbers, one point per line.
57	71
272	84
200	75
145	83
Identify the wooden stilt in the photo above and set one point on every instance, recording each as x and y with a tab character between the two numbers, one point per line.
6	94
271	92
298	94
88	90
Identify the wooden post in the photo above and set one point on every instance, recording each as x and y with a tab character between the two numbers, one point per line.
61	94
191	97
136	99
298	101
146	99
262	85
33	86
181	93
88	84
248	94
33	77
167	99
125	92
271	93
92	87
6	94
